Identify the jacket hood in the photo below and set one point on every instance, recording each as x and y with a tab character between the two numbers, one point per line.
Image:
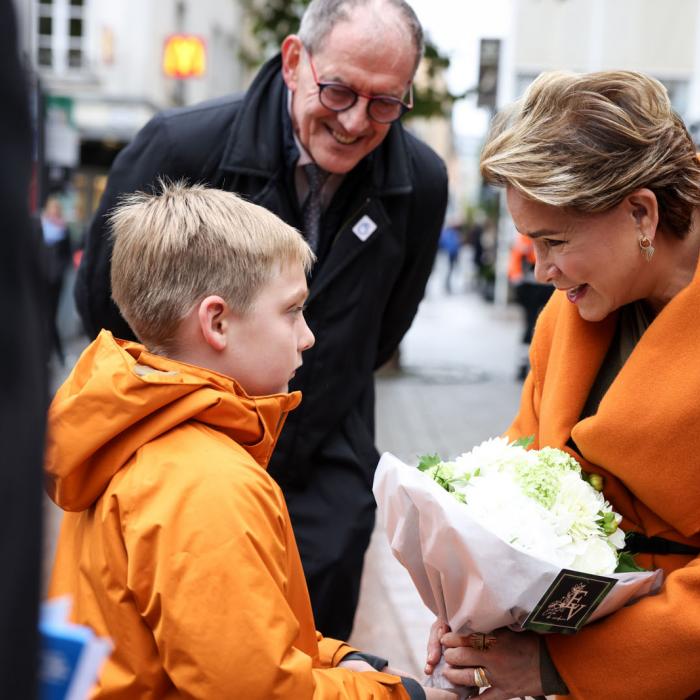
119	396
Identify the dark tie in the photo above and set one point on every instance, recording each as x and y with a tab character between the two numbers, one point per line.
313	206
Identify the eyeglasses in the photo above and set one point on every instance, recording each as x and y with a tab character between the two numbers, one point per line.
380	108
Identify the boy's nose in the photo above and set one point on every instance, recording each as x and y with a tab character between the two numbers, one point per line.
307	338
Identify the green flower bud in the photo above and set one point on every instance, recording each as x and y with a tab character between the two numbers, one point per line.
596	481
607	522
609	527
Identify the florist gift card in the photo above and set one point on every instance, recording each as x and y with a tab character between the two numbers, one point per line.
568	602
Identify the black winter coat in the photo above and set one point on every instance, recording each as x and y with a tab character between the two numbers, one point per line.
363	294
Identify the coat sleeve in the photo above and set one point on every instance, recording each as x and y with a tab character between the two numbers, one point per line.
332	651
428	204
136	167
209	570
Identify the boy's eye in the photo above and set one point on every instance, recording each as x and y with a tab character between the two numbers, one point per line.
553	242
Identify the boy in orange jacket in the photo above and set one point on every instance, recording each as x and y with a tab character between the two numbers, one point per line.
176	543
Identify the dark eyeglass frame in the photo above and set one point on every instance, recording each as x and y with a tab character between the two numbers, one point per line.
356	94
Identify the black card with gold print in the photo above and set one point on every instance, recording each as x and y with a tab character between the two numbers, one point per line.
568	602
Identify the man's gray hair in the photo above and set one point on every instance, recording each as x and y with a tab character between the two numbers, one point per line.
322	15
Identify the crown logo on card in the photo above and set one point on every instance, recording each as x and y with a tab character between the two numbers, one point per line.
565	608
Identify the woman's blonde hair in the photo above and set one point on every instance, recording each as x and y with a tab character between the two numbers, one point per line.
174	248
586	141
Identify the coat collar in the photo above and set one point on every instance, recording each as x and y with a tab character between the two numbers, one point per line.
257	145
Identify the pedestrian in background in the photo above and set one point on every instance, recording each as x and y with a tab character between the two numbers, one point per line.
530	294
451	243
23	398
481	238
57	260
317	140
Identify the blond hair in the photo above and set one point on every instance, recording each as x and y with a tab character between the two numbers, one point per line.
174	248
586	141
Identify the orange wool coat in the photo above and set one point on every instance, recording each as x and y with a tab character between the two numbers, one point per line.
645	441
177	544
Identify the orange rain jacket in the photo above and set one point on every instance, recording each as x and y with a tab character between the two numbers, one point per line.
177	543
645	442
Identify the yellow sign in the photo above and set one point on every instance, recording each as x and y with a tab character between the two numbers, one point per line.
184	56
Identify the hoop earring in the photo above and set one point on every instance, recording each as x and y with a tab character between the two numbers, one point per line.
646	247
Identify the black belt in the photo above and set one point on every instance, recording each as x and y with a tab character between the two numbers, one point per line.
636	543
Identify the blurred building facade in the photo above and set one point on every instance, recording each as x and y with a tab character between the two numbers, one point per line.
438	133
99	65
660	39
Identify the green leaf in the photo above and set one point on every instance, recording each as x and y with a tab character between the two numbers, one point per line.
525	442
626	563
428	461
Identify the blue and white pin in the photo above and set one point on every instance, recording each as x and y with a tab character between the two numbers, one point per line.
364	228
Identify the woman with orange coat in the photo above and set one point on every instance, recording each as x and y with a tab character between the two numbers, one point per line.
602	175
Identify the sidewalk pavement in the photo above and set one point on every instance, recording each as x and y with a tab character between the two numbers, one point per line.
457	387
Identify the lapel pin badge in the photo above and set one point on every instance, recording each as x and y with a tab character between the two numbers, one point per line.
364	228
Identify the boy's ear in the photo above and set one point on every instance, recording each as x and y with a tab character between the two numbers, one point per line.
213	315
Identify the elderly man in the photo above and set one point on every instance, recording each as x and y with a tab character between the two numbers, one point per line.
317	140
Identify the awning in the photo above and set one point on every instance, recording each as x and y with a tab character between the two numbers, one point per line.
110	119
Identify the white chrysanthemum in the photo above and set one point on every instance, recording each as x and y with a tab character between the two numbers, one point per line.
537	501
578	505
495	454
498	504
596	557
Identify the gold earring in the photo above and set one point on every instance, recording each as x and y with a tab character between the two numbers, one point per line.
646	247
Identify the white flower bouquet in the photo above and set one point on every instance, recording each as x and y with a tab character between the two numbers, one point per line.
536	501
484	537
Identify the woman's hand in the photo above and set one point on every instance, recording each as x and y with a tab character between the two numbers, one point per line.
511	663
437	630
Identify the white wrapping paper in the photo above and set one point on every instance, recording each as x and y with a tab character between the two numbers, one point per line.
465	574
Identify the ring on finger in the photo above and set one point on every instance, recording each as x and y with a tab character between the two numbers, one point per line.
480	641
480	679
